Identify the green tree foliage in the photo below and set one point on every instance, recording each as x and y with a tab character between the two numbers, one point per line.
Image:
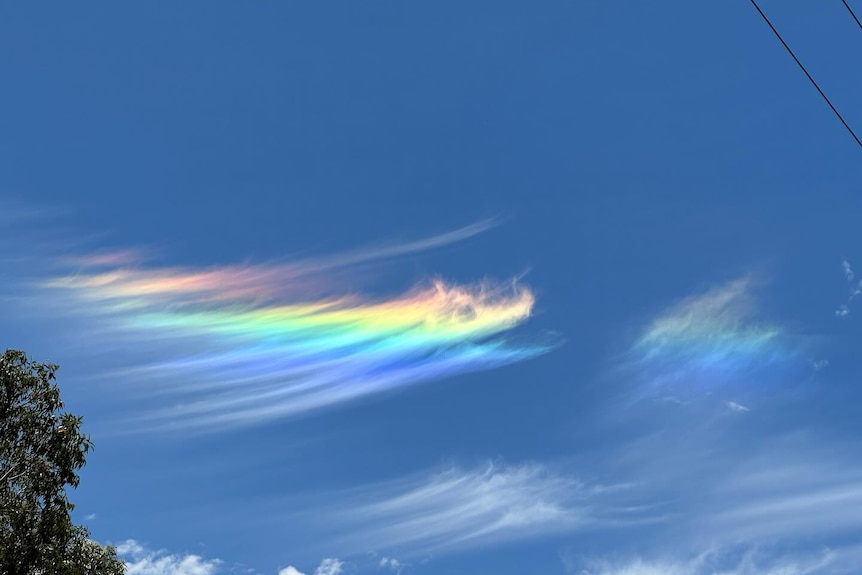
41	451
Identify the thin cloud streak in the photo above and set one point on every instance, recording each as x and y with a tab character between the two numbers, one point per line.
391	250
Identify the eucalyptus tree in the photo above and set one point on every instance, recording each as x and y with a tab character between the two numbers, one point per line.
41	450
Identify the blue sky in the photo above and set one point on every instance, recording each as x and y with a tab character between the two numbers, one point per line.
657	183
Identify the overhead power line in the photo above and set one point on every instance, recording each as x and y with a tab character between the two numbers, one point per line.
852	13
810	78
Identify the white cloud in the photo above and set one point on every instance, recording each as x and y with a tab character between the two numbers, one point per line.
844	309
848	271
391	563
330	567
142	561
326	567
737	407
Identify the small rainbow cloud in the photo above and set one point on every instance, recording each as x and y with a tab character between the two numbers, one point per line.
709	340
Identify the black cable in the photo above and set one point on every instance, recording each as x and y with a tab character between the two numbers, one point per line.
852	13
801	67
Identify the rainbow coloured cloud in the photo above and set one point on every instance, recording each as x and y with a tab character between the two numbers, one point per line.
710	339
243	344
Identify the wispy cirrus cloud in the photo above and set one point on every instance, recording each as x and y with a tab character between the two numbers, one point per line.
798	493
782	505
459	508
717	484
